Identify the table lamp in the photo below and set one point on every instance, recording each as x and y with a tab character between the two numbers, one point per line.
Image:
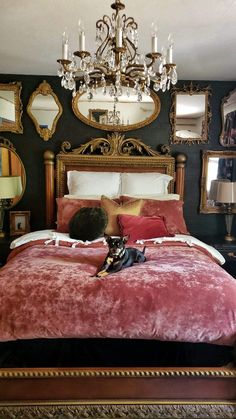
10	187
226	195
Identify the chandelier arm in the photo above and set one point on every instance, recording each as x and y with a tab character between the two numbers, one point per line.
132	50
101	24
130	22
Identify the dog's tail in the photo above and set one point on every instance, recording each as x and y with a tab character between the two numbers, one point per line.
143	251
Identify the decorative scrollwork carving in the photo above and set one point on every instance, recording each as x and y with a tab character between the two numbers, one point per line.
114	145
120	410
5	142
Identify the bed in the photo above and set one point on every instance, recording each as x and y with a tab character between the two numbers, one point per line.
156	355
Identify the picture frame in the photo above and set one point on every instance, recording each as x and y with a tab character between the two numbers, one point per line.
19	223
98	115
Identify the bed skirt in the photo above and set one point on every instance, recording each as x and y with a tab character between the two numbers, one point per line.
43	353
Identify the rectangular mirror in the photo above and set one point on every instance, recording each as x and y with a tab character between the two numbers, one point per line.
190	114
10	107
216	165
228	115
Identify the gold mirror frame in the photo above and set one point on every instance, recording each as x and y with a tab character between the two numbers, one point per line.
15	88
191	91
44	89
206	206
228	117
12	165
109	127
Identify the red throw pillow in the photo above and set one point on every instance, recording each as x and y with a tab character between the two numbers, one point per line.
171	210
138	227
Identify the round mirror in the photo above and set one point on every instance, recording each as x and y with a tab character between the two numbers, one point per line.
103	113
11	165
44	109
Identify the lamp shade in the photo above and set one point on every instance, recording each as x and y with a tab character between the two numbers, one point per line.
214	188
10	186
226	192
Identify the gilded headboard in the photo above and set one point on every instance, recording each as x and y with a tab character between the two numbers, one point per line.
114	153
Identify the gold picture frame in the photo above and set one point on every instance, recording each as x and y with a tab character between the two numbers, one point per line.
19	223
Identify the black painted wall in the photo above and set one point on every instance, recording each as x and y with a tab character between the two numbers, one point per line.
31	147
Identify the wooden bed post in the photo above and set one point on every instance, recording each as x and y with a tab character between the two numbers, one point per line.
180	174
49	187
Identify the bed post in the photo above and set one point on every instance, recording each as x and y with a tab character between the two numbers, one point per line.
49	187
180	174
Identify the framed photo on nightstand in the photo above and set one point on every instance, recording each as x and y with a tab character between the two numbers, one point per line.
19	222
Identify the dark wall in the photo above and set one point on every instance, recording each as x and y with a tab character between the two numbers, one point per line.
31	147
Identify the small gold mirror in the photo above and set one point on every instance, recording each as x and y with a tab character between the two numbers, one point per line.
44	109
228	114
190	115
11	165
10	107
103	113
216	166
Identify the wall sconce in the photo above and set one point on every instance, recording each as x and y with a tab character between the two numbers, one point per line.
10	187
226	195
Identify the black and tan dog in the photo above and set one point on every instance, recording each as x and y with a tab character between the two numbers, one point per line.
119	257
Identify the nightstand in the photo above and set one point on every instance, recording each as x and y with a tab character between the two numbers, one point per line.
4	248
227	249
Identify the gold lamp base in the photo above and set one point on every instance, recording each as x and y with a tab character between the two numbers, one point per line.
229	238
228	223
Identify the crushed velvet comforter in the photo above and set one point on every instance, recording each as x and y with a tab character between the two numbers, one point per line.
179	294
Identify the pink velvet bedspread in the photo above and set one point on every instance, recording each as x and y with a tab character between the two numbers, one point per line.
179	294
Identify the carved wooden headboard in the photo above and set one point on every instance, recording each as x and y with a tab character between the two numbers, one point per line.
114	153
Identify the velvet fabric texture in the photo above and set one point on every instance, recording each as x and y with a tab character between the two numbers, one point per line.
88	224
172	210
113	209
179	294
138	227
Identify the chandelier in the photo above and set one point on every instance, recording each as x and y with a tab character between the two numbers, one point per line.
116	66
114	116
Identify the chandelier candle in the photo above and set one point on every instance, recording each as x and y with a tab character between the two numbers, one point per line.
65	46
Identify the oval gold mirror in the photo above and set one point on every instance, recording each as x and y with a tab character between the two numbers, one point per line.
228	114
103	113
190	114
44	109
10	107
11	165
217	166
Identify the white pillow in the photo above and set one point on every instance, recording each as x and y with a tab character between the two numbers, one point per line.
84	184
144	183
157	197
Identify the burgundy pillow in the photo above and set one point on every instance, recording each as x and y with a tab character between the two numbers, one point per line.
138	227
66	208
171	210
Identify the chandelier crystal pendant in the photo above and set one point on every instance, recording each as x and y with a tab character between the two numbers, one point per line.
116	65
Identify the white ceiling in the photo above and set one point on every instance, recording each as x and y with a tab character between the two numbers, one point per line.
204	33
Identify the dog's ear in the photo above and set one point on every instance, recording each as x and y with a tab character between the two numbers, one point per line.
125	239
106	237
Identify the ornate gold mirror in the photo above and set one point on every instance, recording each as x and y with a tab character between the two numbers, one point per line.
44	109
216	166
11	165
190	114
103	113
10	107
228	114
